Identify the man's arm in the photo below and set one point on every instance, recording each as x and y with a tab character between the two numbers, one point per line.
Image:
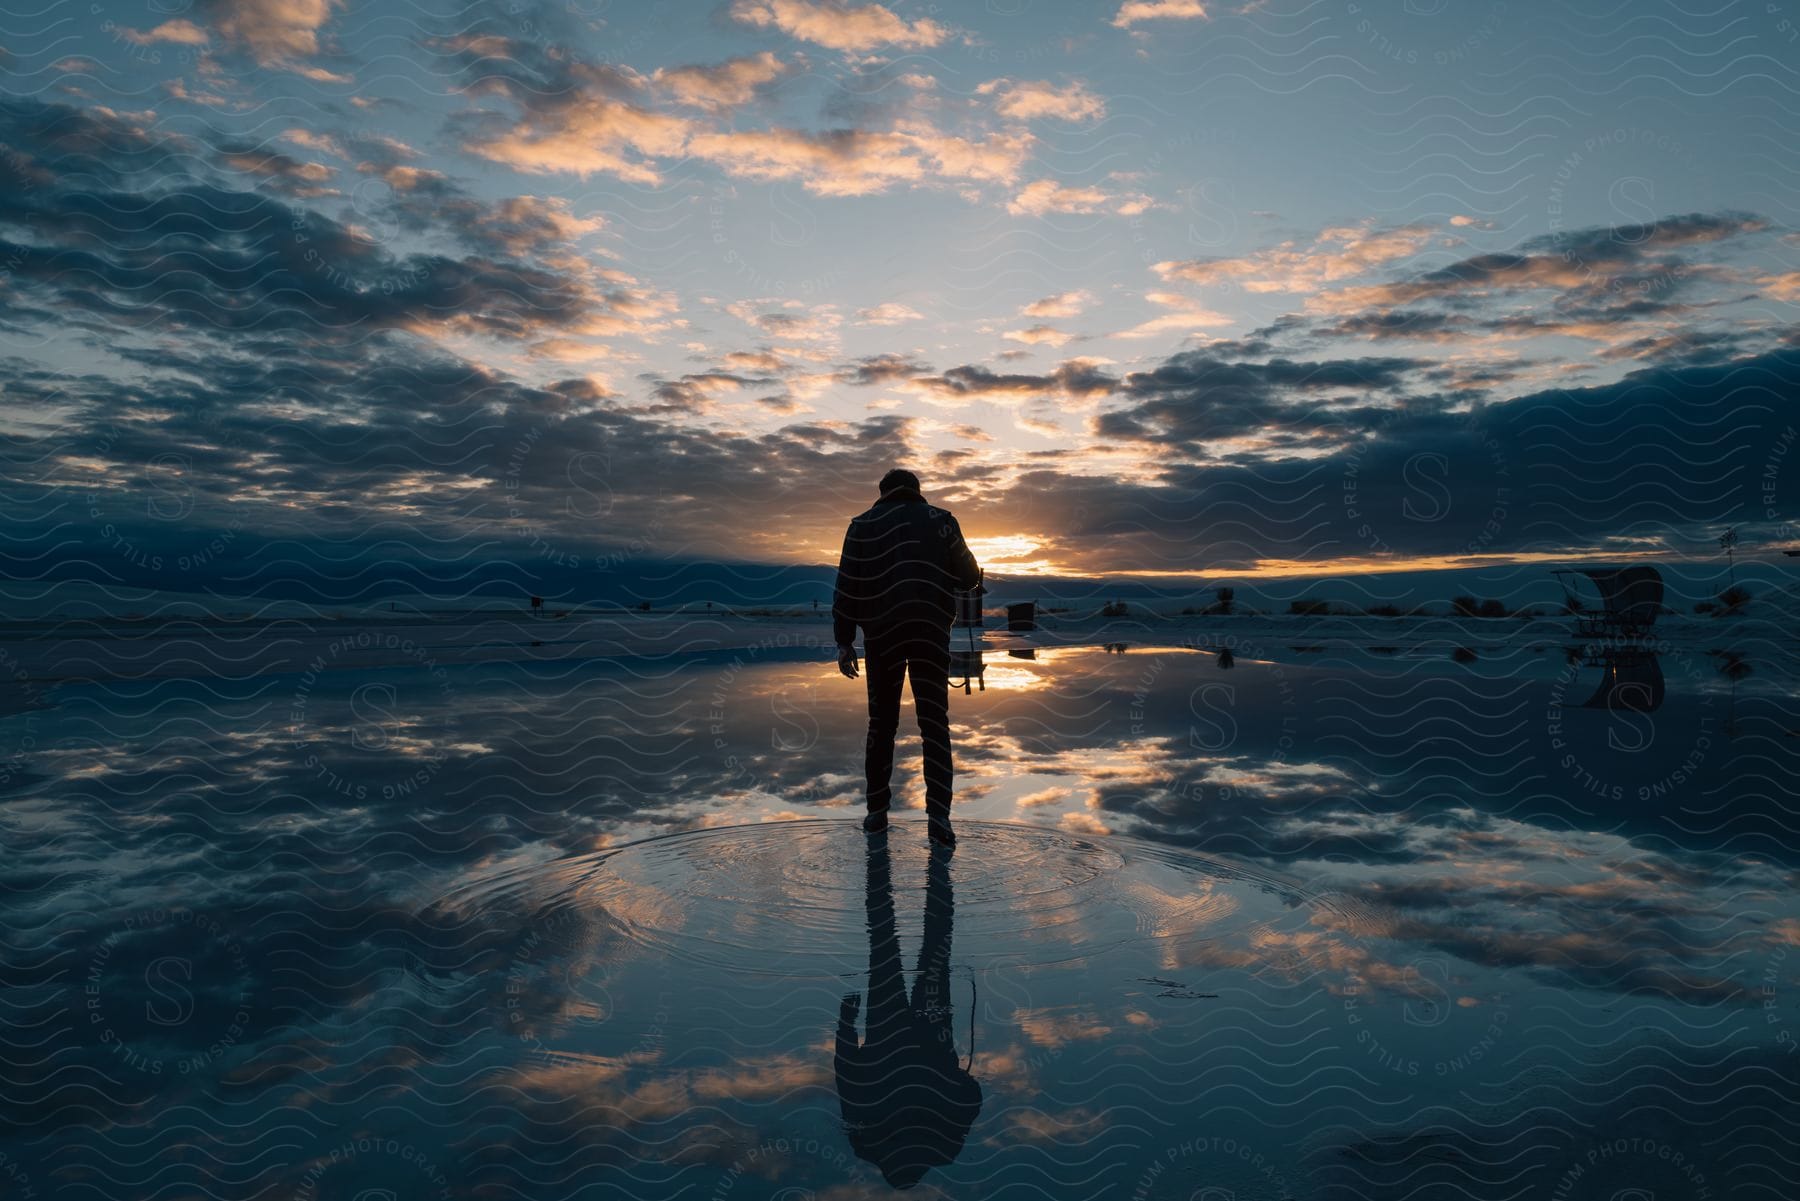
964	572
846	1027
844	607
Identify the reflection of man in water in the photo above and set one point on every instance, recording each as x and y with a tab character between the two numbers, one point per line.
903	563
908	1102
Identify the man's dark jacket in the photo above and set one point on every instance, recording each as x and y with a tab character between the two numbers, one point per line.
903	563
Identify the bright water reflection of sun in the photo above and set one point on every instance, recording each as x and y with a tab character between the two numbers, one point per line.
1001	670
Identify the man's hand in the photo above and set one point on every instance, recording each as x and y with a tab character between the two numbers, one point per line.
847	661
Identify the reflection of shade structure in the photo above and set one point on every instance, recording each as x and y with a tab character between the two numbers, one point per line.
645	1019
967	670
1632	682
1630	599
907	1101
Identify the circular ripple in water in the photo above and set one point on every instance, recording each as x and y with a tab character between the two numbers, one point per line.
792	898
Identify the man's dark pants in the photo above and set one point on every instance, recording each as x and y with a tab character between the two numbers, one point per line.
926	659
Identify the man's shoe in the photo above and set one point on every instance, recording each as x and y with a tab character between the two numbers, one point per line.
940	832
875	822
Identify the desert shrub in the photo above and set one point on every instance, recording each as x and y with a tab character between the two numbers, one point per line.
1733	666
1491	608
1309	608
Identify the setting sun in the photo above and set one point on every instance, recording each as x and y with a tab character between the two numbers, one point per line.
1015	554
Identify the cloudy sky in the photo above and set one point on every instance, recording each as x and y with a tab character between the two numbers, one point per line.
358	293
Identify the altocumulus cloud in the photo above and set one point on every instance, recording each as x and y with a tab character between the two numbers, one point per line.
312	394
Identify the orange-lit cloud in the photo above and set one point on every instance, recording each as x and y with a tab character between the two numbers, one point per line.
1338	253
722	86
315	141
860	162
1134	11
1031	99
522	225
1782	287
1039	335
594	133
180	32
1083	823
1047	196
274	31
788	318
839	26
1058	1027
889	313
1185	315
1063	304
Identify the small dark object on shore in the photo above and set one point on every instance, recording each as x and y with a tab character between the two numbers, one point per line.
1463	654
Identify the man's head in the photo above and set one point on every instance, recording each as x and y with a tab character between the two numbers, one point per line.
898	479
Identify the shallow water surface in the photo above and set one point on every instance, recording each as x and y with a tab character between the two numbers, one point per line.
1278	923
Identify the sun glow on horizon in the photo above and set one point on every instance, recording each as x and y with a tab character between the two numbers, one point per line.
1014	554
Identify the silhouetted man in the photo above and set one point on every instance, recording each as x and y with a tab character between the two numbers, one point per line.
907	1100
903	562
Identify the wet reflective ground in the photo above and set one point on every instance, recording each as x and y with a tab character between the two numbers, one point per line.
1277	923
